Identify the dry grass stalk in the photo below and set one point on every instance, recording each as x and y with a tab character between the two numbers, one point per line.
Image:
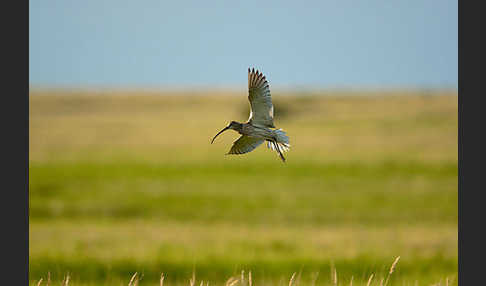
132	280
369	280
231	281
314	279
65	280
162	279
39	283
449	281
192	281
48	278
242	279
334	276
249	279
297	279
351	281
228	281
292	279
392	268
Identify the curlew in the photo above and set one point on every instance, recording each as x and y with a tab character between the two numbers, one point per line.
259	127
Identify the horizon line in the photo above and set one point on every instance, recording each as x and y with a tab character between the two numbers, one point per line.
238	88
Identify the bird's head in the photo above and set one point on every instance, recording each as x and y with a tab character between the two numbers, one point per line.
232	125
235	125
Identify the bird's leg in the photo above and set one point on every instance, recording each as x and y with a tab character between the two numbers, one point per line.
278	150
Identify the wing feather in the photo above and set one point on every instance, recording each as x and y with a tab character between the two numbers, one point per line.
261	113
245	144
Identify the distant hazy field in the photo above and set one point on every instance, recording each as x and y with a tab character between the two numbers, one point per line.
129	182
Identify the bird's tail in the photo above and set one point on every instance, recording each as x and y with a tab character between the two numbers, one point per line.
282	141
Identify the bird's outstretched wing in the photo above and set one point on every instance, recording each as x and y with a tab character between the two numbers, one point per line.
245	144
261	113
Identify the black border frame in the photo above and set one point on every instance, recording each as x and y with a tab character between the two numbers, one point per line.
16	136
15	115
470	143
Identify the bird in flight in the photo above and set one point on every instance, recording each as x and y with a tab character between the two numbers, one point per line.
259	126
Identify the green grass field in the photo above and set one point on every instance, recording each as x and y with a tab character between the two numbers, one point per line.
125	182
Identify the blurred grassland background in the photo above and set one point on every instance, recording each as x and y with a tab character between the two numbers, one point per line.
126	181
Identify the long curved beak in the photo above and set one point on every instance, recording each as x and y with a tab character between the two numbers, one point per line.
226	128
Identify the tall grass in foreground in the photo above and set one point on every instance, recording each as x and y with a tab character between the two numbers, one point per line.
247	280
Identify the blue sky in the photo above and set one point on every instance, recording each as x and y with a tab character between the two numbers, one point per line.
325	44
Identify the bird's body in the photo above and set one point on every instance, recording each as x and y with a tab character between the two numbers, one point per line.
257	132
258	129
